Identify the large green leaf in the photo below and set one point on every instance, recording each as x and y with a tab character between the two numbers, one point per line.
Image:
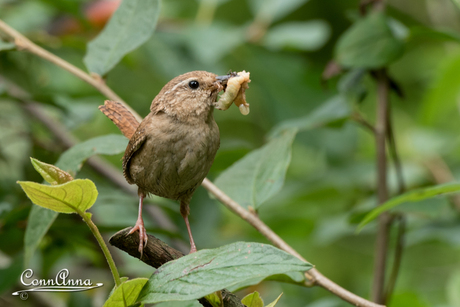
331	111
130	26
412	196
369	43
126	294
72	197
260	174
40	219
206	271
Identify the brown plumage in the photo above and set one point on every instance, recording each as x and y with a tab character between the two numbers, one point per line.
173	148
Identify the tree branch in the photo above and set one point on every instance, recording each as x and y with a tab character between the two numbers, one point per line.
397	258
156	253
314	275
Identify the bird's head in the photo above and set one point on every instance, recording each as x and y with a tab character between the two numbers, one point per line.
191	95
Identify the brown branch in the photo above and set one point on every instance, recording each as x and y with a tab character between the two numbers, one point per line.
397	258
357	117
156	253
316	277
381	130
313	275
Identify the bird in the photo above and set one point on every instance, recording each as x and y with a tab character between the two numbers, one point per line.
171	151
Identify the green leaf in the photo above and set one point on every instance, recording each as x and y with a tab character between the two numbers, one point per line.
272	304
130	26
72	159
209	270
215	299
333	110
307	36
253	300
40	219
6	45
369	43
412	196
75	196
260	174
126	294
52	174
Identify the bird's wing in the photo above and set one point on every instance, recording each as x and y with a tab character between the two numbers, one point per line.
135	143
121	117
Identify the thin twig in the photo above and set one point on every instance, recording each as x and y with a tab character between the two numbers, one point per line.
399	248
357	117
394	153
316	277
381	246
397	258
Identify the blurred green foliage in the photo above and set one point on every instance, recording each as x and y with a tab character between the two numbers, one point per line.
330	181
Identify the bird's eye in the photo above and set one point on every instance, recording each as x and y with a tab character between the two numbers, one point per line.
194	84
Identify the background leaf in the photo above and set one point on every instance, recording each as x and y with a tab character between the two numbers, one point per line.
272	304
412	196
209	270
369	43
260	174
72	197
131	25
72	159
333	110
126	294
309	35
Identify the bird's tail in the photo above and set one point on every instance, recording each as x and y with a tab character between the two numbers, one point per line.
121	117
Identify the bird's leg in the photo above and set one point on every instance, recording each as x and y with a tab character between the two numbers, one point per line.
140	226
184	211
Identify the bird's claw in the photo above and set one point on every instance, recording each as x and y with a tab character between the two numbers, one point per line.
143	238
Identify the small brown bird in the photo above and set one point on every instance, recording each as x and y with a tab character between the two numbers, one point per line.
173	148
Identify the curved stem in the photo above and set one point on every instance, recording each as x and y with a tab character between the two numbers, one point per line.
113	268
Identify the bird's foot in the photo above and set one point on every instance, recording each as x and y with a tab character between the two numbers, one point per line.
143	238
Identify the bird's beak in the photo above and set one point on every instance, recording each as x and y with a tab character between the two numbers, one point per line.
223	79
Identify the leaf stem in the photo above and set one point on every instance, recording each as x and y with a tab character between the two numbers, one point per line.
113	268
